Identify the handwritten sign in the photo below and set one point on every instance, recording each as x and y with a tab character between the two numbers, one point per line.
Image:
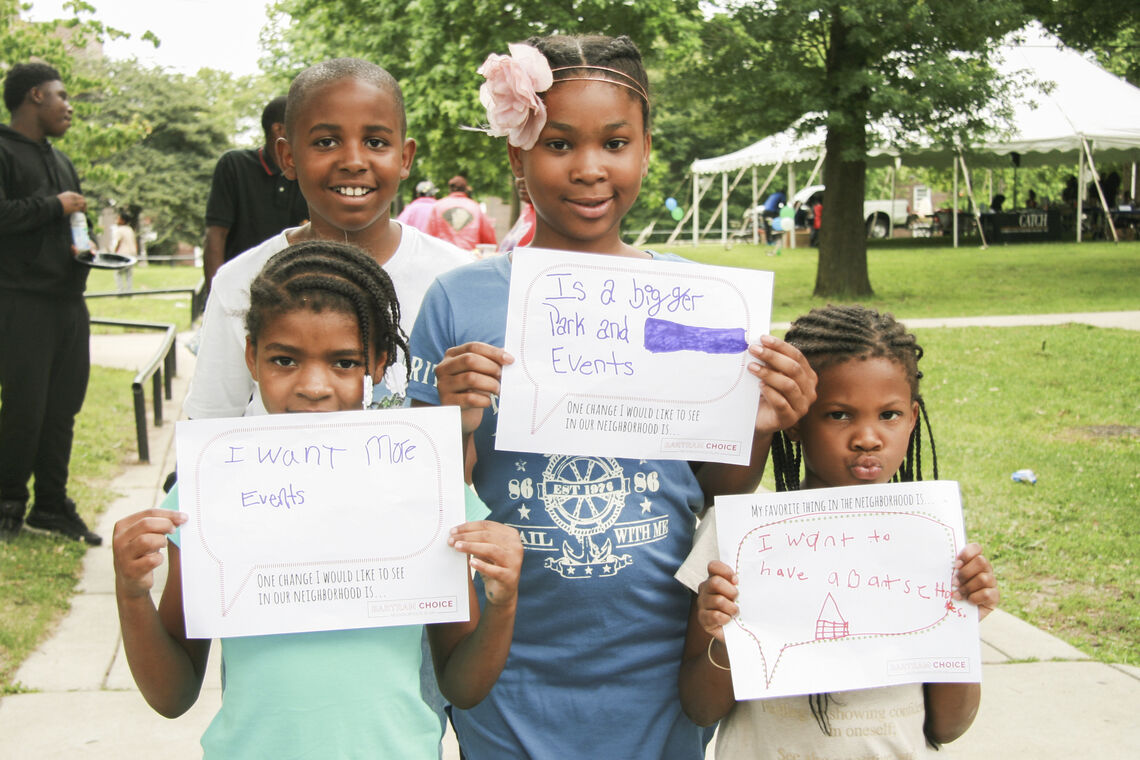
846	588
310	522
631	358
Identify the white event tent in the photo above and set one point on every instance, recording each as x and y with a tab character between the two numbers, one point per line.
1081	111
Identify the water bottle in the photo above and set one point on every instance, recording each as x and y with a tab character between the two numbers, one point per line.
79	232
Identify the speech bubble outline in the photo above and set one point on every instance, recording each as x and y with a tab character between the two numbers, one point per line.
435	495
766	641
530	322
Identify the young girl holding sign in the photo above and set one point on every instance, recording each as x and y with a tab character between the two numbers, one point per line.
323	321
601	623
862	428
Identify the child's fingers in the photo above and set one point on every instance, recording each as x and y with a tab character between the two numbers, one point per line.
788	383
488	542
496	553
716	585
160	522
481	357
972	564
137	546
986	600
714	611
718	568
977	582
468	379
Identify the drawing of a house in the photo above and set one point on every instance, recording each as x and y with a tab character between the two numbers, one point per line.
830	623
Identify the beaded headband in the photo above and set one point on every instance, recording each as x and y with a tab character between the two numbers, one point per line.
510	94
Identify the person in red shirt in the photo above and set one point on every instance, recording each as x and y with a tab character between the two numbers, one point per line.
460	220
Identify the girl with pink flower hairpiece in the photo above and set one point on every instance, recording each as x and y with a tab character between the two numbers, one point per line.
601	623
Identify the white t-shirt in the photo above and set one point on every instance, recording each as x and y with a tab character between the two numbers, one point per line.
222	385
883	723
123	240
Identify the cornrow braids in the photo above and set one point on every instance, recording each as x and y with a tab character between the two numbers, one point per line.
833	335
322	274
601	52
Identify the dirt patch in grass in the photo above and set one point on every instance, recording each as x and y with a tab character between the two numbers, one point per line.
1110	431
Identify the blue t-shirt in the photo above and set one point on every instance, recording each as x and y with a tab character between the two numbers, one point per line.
601	623
328	694
773	202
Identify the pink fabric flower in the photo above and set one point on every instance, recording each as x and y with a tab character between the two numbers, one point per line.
510	94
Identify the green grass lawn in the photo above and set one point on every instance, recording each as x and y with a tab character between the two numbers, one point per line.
172	308
39	571
947	282
1059	400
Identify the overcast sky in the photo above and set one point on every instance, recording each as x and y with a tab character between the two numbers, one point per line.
220	34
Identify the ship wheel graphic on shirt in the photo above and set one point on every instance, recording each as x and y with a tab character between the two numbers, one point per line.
584	496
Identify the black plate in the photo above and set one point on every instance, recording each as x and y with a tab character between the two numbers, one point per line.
106	260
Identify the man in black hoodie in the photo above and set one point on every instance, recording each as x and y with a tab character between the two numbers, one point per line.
44	325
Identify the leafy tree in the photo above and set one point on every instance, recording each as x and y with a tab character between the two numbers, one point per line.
63	44
1109	28
433	47
143	138
167	172
917	64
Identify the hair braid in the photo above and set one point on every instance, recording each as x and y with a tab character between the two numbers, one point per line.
320	275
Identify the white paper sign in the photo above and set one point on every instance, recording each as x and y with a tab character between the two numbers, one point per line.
633	358
846	588
312	522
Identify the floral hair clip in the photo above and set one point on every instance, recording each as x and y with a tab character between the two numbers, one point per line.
510	94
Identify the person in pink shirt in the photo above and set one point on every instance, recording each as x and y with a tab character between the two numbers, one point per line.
418	211
460	220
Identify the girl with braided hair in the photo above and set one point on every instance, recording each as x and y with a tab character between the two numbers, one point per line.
601	622
323	321
863	427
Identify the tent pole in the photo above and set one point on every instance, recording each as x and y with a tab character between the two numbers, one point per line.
954	208
696	208
752	208
763	189
973	202
1133	183
1100	191
724	209
723	201
890	214
792	192
815	169
1080	192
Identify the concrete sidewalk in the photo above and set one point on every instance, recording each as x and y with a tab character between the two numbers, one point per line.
1042	698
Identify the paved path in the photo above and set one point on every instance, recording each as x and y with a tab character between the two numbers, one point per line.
1042	698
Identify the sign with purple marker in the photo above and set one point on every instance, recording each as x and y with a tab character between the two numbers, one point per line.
633	358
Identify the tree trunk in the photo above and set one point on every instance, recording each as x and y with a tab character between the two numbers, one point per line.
842	268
